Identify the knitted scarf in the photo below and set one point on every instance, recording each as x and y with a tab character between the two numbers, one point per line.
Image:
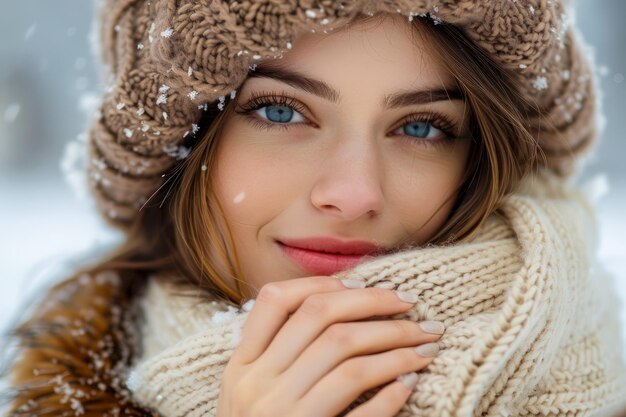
531	320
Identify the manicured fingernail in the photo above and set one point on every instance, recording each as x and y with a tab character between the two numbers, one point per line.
409	380
428	350
406	296
353	283
430	326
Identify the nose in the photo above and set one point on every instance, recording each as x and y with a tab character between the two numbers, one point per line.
349	183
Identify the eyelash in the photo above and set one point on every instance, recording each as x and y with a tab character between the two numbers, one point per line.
264	99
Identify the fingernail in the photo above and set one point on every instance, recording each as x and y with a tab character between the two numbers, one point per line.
430	326
428	350
409	380
353	283
406	296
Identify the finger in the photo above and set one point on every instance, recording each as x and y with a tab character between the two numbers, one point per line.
357	375
272	307
342	341
320	311
388	401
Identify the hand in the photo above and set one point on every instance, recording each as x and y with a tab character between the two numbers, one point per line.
303	352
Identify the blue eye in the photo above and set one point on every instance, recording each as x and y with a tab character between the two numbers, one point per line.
421	129
278	114
282	112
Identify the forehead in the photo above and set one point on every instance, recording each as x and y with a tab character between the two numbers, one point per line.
387	51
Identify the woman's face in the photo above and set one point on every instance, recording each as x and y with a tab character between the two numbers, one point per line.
343	140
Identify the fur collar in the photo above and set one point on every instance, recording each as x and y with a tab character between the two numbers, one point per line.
73	353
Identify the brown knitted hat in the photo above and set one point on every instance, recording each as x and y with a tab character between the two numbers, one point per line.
169	61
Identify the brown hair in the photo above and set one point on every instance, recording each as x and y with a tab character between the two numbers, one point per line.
185	232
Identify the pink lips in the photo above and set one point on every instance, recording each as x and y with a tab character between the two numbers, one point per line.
326	255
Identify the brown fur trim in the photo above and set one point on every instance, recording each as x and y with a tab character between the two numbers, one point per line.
74	352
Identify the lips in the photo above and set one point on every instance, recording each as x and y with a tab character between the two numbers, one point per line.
326	256
334	245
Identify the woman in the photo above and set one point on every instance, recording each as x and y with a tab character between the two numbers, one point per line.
256	152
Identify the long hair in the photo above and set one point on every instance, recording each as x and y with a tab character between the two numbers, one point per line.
183	228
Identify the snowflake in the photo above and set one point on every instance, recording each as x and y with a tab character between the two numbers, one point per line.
183	152
179	152
192	95
11	112
30	32
310	14
603	70
140	46
161	99
220	105
433	15
540	83
167	33
73	164
152	27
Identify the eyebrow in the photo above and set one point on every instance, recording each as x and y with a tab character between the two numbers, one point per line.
325	91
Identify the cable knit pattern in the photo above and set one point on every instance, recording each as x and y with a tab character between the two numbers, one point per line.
166	63
531	319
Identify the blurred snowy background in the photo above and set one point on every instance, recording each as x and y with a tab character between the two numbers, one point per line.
49	83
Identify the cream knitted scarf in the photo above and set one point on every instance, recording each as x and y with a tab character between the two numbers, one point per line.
531	320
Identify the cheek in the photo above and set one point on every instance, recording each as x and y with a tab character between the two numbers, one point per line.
258	174
249	180
236	180
424	191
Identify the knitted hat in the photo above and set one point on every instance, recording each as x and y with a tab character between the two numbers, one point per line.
168	62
